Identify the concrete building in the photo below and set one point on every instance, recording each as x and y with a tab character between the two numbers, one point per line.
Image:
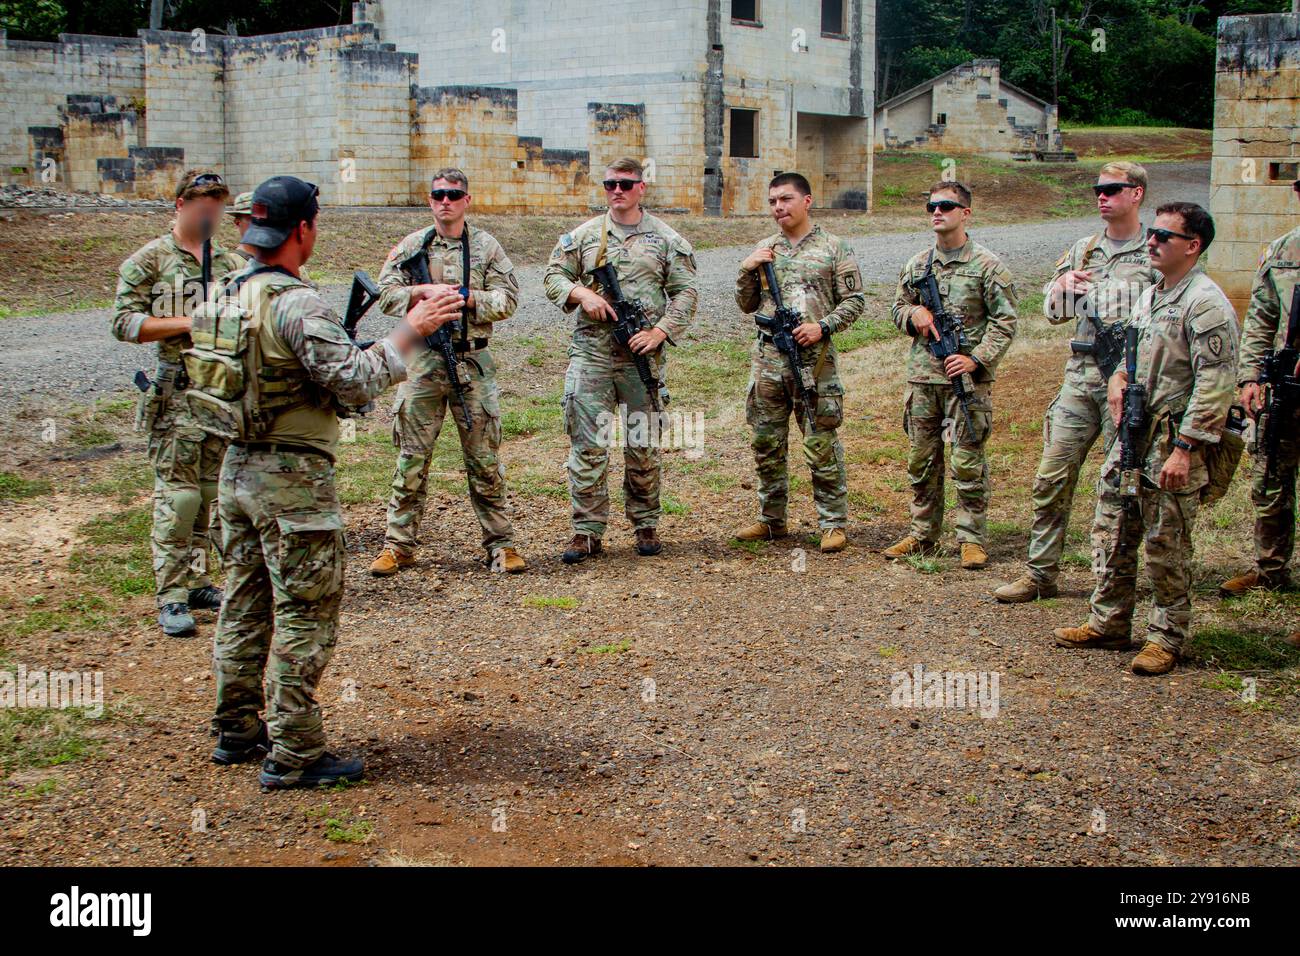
971	109
1256	145
530	99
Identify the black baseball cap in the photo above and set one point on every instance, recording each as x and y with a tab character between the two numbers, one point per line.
278	205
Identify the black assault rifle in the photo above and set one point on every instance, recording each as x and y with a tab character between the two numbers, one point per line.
364	294
1107	346
1280	391
417	267
1132	437
631	320
952	335
780	326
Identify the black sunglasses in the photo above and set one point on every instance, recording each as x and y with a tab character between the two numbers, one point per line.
1164	235
627	185
947	205
1111	189
207	179
455	195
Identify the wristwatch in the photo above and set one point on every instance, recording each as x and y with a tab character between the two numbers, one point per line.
826	330
1179	443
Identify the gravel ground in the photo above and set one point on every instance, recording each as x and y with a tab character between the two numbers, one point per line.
47	355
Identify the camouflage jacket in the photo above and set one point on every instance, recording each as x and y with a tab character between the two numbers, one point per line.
975	285
161	279
654	264
1187	358
1270	302
818	277
1117	282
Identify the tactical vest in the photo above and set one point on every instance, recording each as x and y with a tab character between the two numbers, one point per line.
244	380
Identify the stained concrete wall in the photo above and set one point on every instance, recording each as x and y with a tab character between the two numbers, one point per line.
1256	144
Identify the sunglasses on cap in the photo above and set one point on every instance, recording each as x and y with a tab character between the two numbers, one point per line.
627	185
944	205
207	179
1164	235
1111	189
455	195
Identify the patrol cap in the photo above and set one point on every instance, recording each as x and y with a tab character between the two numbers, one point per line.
242	206
277	206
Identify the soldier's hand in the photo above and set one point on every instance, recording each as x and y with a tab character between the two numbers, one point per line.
421	292
757	258
923	322
1173	476
647	340
1249	398
808	333
1115	395
1076	281
594	306
956	365
431	314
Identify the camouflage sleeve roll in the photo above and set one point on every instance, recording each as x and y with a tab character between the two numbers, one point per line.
846	282
906	301
315	334
749	293
499	296
1213	337
679	286
1263	316
394	286
563	272
133	301
1054	304
1000	305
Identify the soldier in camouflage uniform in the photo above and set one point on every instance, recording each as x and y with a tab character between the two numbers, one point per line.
975	286
819	278
428	396
1272	298
241	212
656	266
1187	360
1098	279
157	288
283	528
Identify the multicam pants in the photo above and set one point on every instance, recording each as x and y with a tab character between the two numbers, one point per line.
1166	525
186	463
595	385
1073	421
422	404
285	557
932	417
772	398
1275	511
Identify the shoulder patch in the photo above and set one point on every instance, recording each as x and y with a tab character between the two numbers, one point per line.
566	242
132	272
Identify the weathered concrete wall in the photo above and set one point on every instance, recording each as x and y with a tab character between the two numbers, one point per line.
183	95
1256	144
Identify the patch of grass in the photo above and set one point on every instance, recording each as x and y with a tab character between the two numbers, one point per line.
1004	529
753	547
14	487
619	648
865	332
530	482
76	614
1240	650
1076	559
90	434
541	601
42	789
925	564
672	506
342	827
114	551
42	737
127	481
887	650
534	415
972	799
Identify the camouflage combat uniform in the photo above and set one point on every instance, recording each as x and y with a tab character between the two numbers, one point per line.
162	279
975	285
656	266
1271	297
1187	359
283	528
1078	414
819	278
427	396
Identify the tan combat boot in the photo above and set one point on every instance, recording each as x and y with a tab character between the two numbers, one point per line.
833	541
581	548
1244	583
761	531
508	560
1023	590
1085	636
908	546
389	562
1153	660
973	556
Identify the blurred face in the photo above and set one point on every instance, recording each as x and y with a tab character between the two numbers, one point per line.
241	223
1170	245
191	214
789	207
946	211
623	191
307	236
1117	198
448	200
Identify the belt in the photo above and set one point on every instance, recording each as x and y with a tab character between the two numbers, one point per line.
281	448
473	345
